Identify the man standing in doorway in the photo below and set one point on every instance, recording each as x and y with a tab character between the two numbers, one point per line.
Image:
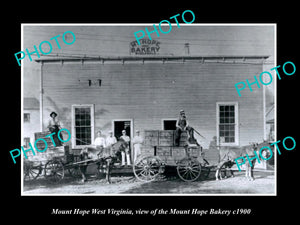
125	138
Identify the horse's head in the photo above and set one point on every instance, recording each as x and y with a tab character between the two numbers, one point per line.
261	149
264	149
121	145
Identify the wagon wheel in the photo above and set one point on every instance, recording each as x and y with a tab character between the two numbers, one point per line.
147	168
54	170
31	172
188	169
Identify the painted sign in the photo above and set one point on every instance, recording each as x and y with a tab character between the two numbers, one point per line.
146	47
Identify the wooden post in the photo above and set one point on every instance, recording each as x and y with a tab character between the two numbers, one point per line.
41	98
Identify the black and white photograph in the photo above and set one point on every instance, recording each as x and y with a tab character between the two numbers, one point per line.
149	112
142	109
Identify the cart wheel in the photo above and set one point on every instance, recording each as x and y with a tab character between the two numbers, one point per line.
147	168
54	170
188	169
31	171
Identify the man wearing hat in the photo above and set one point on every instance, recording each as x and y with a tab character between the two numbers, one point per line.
137	142
54	126
181	125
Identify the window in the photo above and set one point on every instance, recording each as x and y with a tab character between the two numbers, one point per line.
169	124
227	124
82	125
26	142
26	117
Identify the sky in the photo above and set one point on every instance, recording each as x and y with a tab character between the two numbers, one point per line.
113	40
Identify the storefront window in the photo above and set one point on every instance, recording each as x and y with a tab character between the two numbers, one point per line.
83	124
227	123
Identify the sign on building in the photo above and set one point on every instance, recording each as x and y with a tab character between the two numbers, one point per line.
147	47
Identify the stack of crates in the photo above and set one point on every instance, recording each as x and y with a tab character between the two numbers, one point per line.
161	143
150	143
41	144
51	151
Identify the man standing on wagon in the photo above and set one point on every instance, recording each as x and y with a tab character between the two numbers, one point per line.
182	125
54	126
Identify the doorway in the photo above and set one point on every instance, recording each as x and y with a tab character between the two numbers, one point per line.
123	124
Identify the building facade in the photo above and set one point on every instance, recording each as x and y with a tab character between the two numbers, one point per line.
31	120
147	93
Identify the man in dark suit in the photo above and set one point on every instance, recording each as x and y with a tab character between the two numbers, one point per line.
182	125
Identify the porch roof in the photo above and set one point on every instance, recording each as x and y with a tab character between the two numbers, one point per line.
163	58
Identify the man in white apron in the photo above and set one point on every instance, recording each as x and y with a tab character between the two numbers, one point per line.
137	143
125	138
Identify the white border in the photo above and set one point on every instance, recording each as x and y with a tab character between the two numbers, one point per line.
151	24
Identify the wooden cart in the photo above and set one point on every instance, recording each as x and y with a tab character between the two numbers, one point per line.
159	151
55	161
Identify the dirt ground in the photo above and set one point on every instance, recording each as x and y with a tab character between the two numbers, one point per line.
264	183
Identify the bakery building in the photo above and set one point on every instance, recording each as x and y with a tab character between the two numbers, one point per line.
31	121
147	91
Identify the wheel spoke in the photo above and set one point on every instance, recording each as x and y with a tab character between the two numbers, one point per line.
140	173
185	172
194	175
195	171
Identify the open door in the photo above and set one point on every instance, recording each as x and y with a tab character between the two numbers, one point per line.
127	125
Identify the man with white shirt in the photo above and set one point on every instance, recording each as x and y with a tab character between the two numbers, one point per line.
137	143
110	140
125	138
99	141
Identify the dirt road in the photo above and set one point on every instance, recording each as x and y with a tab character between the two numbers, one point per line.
263	184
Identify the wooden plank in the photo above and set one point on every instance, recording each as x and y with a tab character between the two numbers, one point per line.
178	153
147	151
166	133
166	138
151	133
163	151
151	137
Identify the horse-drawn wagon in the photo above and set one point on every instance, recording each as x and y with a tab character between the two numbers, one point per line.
159	151
54	162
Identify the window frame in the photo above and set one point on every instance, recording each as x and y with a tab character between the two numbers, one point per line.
92	110
26	141
28	117
167	119
236	123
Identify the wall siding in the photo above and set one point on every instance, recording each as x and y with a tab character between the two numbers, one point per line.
147	93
